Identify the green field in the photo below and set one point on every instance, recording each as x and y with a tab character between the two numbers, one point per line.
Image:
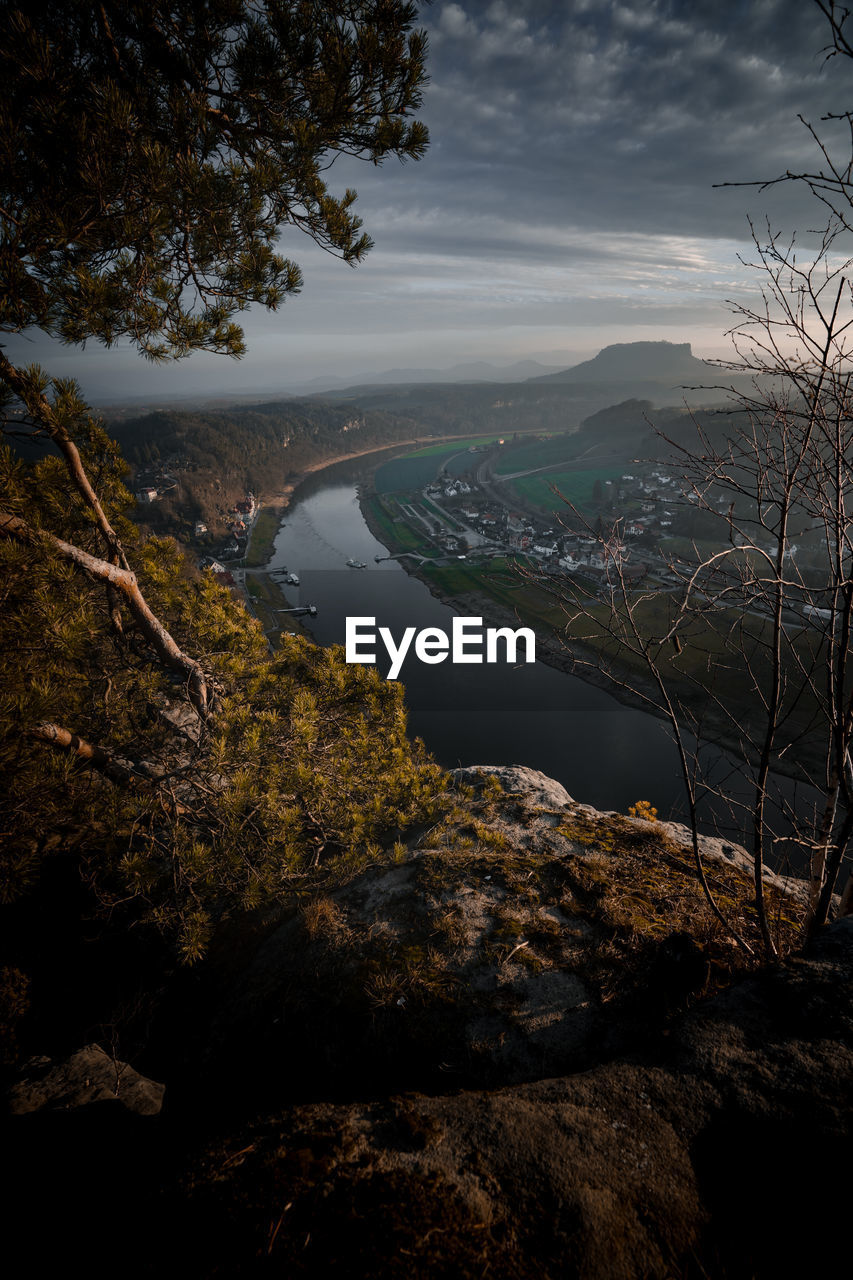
455	445
537	453
414	470
263	536
576	486
688	548
500	581
393	529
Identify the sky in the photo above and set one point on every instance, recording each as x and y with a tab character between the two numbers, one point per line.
567	200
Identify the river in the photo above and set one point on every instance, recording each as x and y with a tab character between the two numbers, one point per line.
603	752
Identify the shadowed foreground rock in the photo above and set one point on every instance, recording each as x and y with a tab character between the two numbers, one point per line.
720	1152
88	1076
519	1047
526	937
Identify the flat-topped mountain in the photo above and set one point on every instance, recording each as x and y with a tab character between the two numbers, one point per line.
651	361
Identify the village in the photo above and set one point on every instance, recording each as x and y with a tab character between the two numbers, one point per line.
643	526
635	525
239	520
475	515
226	542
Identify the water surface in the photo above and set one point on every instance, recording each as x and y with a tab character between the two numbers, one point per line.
604	753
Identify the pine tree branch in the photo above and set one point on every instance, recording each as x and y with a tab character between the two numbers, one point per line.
199	688
42	412
56	736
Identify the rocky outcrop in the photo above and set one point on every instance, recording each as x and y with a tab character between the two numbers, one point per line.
718	1151
525	936
523	1049
88	1076
537	788
533	787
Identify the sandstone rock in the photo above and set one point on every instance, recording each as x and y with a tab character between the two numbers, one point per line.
713	1153
90	1075
513	943
736	856
530	784
536	788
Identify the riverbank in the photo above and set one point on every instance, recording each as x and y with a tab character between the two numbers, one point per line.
260	590
263	593
264	532
283	499
632	686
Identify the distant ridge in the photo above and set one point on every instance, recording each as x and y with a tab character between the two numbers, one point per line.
476	371
671	362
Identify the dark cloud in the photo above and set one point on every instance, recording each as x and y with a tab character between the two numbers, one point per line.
568	194
623	115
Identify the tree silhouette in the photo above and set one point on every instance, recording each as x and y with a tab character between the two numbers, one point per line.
152	154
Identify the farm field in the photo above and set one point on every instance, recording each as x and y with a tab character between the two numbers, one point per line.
263	537
394	530
454	446
500	582
576	486
538	453
414	470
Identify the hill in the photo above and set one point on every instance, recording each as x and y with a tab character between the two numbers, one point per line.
205	459
474	371
649	361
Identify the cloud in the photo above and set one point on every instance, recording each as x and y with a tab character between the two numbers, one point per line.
624	114
569	185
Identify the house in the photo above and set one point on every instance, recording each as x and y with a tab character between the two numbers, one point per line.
146	495
199	528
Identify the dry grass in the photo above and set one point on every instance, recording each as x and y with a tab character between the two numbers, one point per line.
639	882
323	918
